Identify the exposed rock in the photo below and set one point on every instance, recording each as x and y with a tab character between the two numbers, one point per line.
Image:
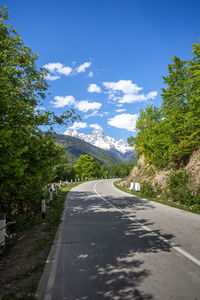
193	167
143	171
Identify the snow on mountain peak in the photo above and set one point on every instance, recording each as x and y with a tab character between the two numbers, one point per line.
98	139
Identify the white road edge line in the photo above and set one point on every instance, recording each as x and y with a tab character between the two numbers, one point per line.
178	249
52	275
54	258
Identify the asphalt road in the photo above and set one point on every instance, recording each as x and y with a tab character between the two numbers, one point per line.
112	245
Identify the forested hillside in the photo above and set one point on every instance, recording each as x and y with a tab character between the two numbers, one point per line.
75	147
169	137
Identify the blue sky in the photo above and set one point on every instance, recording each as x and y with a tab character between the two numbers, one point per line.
106	57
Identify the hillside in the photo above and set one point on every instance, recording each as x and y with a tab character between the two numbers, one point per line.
74	147
118	148
144	172
168	137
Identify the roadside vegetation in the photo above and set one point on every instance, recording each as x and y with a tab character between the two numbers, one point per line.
149	192
87	167
168	137
24	257
28	156
171	133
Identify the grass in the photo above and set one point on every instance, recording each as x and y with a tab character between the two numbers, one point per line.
192	209
23	275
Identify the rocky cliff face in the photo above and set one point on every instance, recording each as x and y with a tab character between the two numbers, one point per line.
143	171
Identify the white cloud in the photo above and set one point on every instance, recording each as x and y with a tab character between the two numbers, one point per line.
51	77
137	98
84	105
90	74
93	114
77	126
125	91
95	126
112	96
58	68
65	70
83	67
94	88
124	121
152	95
53	67
125	86
63	101
120	110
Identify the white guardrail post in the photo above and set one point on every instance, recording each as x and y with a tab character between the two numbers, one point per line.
2	229
135	186
43	208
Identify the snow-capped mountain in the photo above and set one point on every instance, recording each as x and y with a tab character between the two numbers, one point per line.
97	138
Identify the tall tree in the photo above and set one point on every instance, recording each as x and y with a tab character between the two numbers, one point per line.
27	156
172	133
87	166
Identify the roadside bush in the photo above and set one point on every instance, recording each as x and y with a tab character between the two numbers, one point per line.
147	189
157	189
177	188
197	198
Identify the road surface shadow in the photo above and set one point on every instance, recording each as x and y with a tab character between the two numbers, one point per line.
101	251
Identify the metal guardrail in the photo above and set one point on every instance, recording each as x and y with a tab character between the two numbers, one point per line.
3	233
7	224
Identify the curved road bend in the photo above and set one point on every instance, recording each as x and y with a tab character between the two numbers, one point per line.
112	245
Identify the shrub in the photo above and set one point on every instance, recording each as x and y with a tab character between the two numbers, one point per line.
147	189
157	189
197	198
177	188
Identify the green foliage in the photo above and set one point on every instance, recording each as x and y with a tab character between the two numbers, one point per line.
172	133
177	188
197	198
150	172
63	171
147	189
27	156
120	170
157	189
104	171
194	208
87	167
75	147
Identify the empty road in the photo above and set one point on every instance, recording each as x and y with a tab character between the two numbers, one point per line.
113	245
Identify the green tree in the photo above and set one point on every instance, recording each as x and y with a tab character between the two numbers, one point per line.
171	133
87	166
181	107
104	172
27	156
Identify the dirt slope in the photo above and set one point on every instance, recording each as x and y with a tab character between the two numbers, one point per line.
143	171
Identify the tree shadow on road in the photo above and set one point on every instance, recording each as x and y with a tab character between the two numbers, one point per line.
102	250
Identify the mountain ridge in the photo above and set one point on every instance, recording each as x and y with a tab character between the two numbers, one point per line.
118	148
75	147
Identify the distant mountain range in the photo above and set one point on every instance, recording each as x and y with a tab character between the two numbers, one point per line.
117	148
74	147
